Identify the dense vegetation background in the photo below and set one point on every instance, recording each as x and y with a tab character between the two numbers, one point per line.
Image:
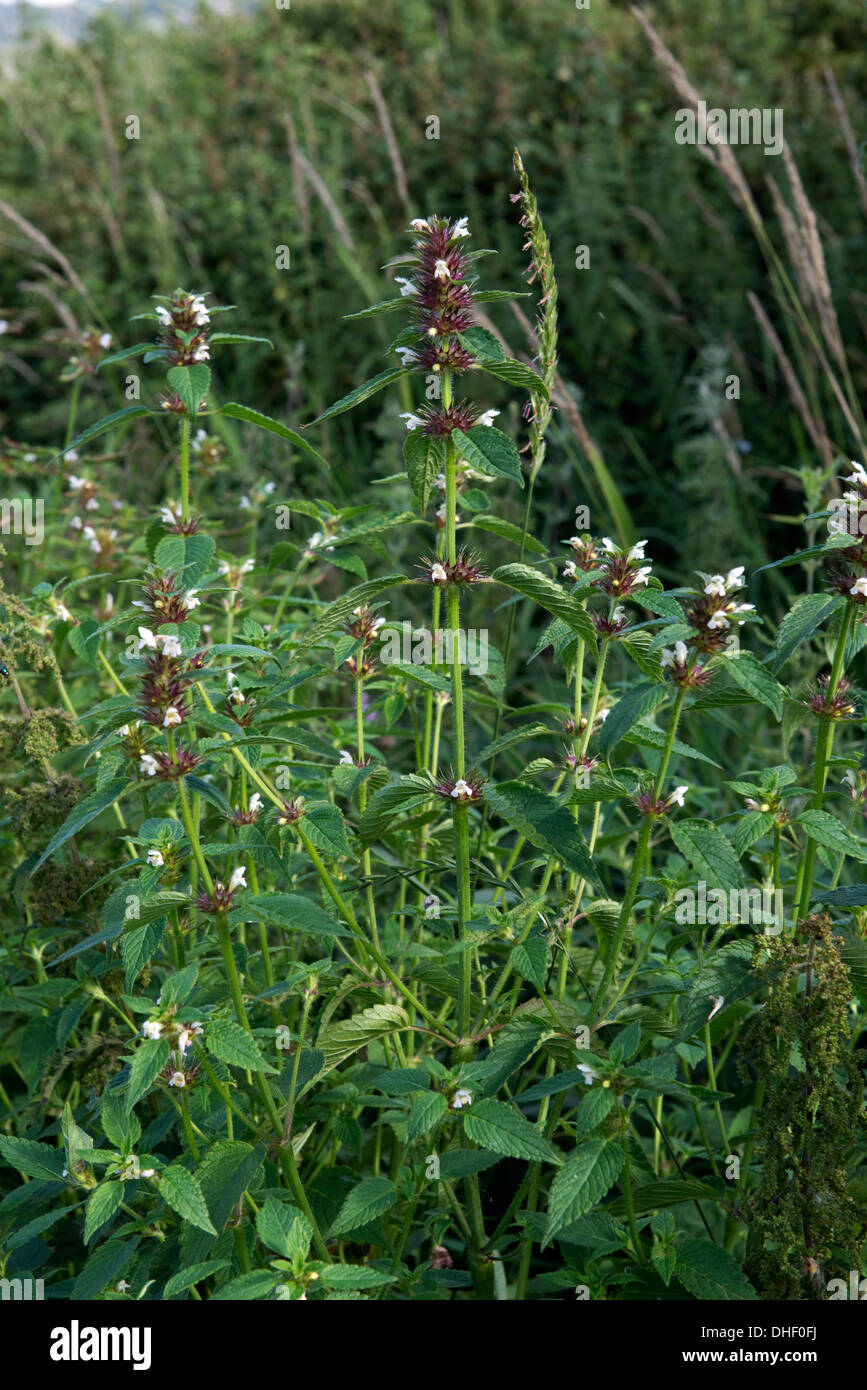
307	127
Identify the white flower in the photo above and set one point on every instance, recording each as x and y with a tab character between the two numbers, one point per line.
191	600
406	286
248	565
413	422
71	456
172	716
105	340
148	1172
488	417
95	546
859	587
245	504
734	578
406	356
569	570
717	1000
619	614
718	621
238	879
237	697
63	613
676	657
461	789
91	505
603	715
121	1286
163	315
461	1098
744	608
438	574
641	576
637	551
255	802
76	523
155	859
859	477
609	546
147	765
124	730
269	488
346	757
152	1028
460	228
76	483
4	325
431	905
441	271
420	224
178	1079
146	639
676	798
171	645
588	1073
716	586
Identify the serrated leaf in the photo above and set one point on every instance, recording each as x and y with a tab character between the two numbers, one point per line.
190	385
804	618
188	557
708	1272
827	831
230	1042
425	457
342	608
546	823
339	1040
86	811
594	1108
195	1274
708	851
32	1159
490	451
125	416
425	1113
368	1200
147	1063
494	1125
354	1277
748	673
516	374
326	830
284	1229
102	1204
180	1190
630	708
581	1183
361	393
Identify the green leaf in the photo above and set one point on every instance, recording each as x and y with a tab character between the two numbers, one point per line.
361	393
409	792
284	1229
490	452
233	338
259	1283
124	354
516	374
494	1125
264	422
86	811
342	608
594	1108
32	1159
630	708
581	1183
425	1113
120	1128
530	960
365	1203
326	829
708	851
195	1274
180	1190
756	680
234	1045
125	416
138	946
190	385
708	1272
550	596
827	831
546	823
803	619
752	827
149	1059
482	343
425	457
354	1277
385	306
626	1044
103	1266
102	1204
728	973
339	1040
186	556
84	640
292	911
656	1195
508	531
